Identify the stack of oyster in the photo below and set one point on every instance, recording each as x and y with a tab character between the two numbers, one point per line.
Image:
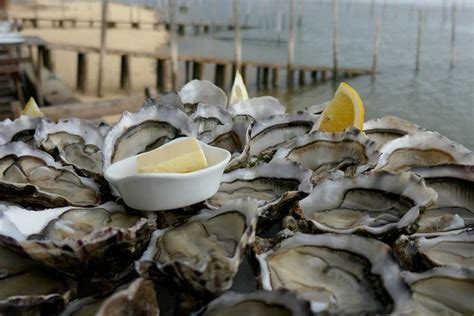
358	222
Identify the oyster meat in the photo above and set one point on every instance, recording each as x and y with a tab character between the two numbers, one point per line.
26	288
421	150
442	291
259	108
388	128
145	130
276	186
259	303
375	203
31	177
203	254
86	242
77	142
339	274
21	129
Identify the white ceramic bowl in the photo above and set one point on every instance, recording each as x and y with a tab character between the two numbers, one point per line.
166	191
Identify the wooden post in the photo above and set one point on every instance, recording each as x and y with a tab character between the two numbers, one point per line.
237	40
161	74
39	76
291	44
220	75
259	76
452	51
181	29
314	75
198	70
266	72
103	45
376	46
173	44
301	77
125	72
187	70
418	41
243	71
335	38
324	75
275	77
81	82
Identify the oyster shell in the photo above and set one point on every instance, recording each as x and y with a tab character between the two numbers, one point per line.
86	242
21	129
420	150
454	208
204	253
350	151
167	97
375	203
259	108
424	251
136	298
276	186
145	130
339	274
317	109
28	289
207	117
31	177
388	128
259	303
201	91
77	142
269	134
442	291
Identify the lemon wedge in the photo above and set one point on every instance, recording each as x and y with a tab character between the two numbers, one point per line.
239	90
31	109
345	110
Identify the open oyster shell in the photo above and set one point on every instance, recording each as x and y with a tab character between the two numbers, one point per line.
375	203
31	177
204	253
259	303
21	129
259	108
77	142
424	251
207	117
350	151
166	97
136	298
269	134
145	130
276	186
420	150
86	242
388	128
201	91
26	288
339	274
454	208
442	291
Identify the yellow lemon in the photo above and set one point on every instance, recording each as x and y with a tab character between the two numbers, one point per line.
239	90
345	110
31	109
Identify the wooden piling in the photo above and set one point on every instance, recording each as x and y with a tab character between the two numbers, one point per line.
237	40
301	77
376	46
265	74
314	75
47	58
125	72
220	75
452	51
324	75
161	74
187	70
259	76
81	76
181	29
418	41
103	43
198	70
173	44
291	44
275	76
243	72
335	37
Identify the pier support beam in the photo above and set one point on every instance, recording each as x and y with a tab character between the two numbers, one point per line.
125	80
181	29
266	72
220	75
314	75
81	82
275	77
198	70
160	74
243	71
301	77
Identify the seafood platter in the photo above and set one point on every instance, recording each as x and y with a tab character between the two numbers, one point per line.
371	219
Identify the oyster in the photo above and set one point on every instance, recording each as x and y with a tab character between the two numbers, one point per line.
317	109
207	117
260	303
454	208
339	274
136	298
388	128
21	129
442	291
145	130
86	242
276	186
77	142
424	251
269	134
31	177
204	253
375	203
28	289
258	108
420	150
350	151
201	91
167	97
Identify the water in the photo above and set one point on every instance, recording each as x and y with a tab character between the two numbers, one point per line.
436	98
